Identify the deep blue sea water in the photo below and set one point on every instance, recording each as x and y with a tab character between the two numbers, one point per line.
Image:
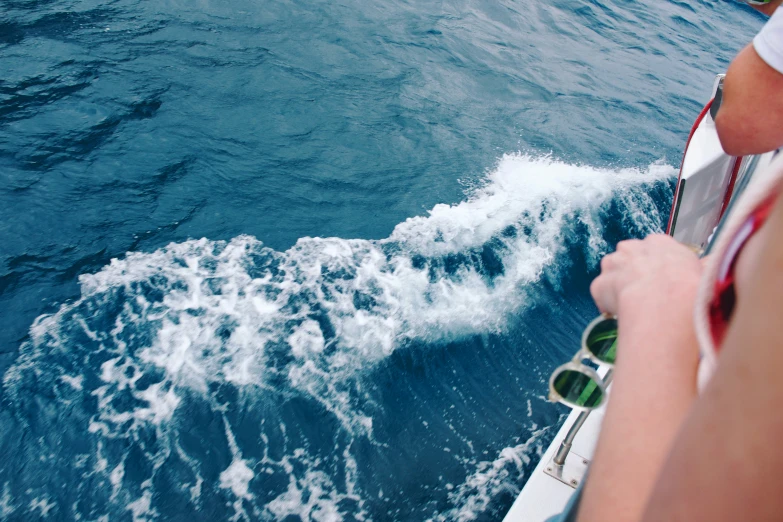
286	260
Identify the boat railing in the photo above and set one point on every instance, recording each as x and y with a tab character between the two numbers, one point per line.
572	471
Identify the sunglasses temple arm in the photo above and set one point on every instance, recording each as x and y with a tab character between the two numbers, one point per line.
568	441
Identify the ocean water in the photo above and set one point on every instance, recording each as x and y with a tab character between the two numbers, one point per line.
314	261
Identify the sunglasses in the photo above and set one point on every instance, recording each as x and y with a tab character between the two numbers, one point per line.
578	385
757	2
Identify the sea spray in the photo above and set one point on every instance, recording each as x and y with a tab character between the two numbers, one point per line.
168	359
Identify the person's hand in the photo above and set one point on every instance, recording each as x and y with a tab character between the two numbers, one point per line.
657	271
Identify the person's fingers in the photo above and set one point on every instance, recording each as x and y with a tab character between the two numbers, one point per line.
664	241
602	291
596	290
613	261
657	264
629	245
607	263
661	238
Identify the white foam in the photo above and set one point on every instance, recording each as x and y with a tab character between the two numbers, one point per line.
312	497
307	339
238	475
74	381
101	463
237	478
7	506
141	508
317	317
162	404
43	505
115	477
195	490
490	479
220	314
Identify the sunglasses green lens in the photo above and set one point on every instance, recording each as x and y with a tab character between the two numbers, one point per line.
601	340
578	389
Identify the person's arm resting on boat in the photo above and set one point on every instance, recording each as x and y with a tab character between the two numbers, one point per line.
726	462
750	119
651	286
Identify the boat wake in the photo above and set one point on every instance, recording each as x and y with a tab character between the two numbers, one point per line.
214	379
493	479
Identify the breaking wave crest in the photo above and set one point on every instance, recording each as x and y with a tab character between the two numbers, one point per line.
217	377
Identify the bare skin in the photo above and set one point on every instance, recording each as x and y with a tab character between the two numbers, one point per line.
750	119
681	446
665	431
725	464
665	454
651	286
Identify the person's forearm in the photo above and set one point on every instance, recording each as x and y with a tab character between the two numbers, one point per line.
725	465
651	394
